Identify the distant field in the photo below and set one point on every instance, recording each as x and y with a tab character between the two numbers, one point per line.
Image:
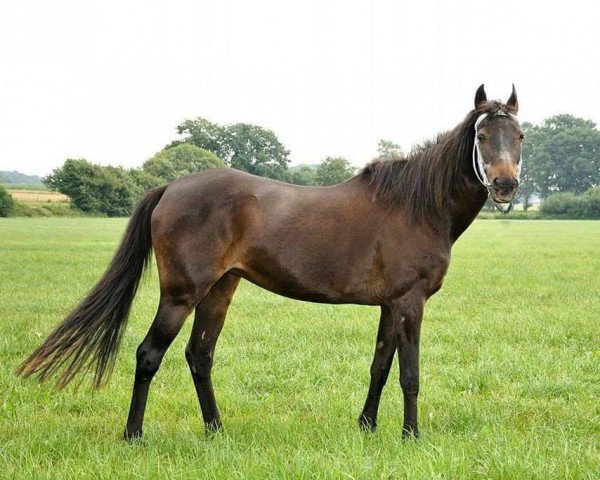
23	186
33	193
38	196
32	202
510	370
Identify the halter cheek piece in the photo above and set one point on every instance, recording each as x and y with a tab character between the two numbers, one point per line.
479	165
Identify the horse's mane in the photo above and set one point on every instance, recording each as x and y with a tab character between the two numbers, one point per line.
422	183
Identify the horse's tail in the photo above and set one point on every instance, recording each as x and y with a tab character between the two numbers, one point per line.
88	339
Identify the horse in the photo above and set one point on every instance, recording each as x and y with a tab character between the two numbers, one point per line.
382	238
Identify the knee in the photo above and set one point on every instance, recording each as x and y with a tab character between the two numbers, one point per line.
200	363
379	370
409	383
148	362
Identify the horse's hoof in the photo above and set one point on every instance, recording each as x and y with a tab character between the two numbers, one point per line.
367	424
132	436
213	427
410	433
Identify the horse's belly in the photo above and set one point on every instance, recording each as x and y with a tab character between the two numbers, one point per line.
310	281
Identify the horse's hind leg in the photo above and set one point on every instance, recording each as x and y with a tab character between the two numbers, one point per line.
208	322
171	314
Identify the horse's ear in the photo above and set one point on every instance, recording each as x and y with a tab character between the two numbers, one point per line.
480	97
513	104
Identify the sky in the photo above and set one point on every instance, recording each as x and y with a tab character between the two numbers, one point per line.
109	81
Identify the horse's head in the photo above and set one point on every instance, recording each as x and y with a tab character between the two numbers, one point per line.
497	149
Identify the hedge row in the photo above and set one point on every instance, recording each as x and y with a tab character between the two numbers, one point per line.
568	205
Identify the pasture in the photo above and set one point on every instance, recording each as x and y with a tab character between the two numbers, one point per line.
510	370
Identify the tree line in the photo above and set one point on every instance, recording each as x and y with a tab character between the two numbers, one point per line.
560	156
114	191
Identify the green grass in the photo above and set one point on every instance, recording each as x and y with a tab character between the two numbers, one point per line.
510	371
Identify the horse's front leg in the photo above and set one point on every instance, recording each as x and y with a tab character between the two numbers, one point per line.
380	368
408	313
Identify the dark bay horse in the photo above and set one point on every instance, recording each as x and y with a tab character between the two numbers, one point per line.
382	238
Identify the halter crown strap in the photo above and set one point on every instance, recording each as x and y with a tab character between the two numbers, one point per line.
479	165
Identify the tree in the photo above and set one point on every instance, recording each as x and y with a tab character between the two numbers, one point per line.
144	181
243	146
183	159
302	174
95	189
7	203
333	170
204	134
562	154
388	150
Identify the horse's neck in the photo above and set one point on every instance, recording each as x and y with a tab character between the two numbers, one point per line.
466	203
468	197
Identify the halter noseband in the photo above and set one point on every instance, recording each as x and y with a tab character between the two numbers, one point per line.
479	165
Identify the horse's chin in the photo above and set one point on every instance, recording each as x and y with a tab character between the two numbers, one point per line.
504	199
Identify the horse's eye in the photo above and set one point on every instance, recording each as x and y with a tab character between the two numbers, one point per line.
481	137
521	137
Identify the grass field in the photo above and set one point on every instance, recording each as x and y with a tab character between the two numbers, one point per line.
510	371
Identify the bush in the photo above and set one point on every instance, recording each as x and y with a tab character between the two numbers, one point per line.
566	205
569	205
7	203
591	203
95	189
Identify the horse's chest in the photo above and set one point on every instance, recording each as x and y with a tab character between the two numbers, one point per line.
421	268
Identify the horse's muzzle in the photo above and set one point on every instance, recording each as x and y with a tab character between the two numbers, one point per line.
505	188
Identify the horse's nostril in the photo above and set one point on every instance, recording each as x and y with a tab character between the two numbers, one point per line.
504	183
498	184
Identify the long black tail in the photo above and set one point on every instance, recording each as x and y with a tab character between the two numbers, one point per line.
88	339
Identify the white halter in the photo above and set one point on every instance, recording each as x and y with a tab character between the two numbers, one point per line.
479	164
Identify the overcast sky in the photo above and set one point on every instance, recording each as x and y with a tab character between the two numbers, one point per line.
110	80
